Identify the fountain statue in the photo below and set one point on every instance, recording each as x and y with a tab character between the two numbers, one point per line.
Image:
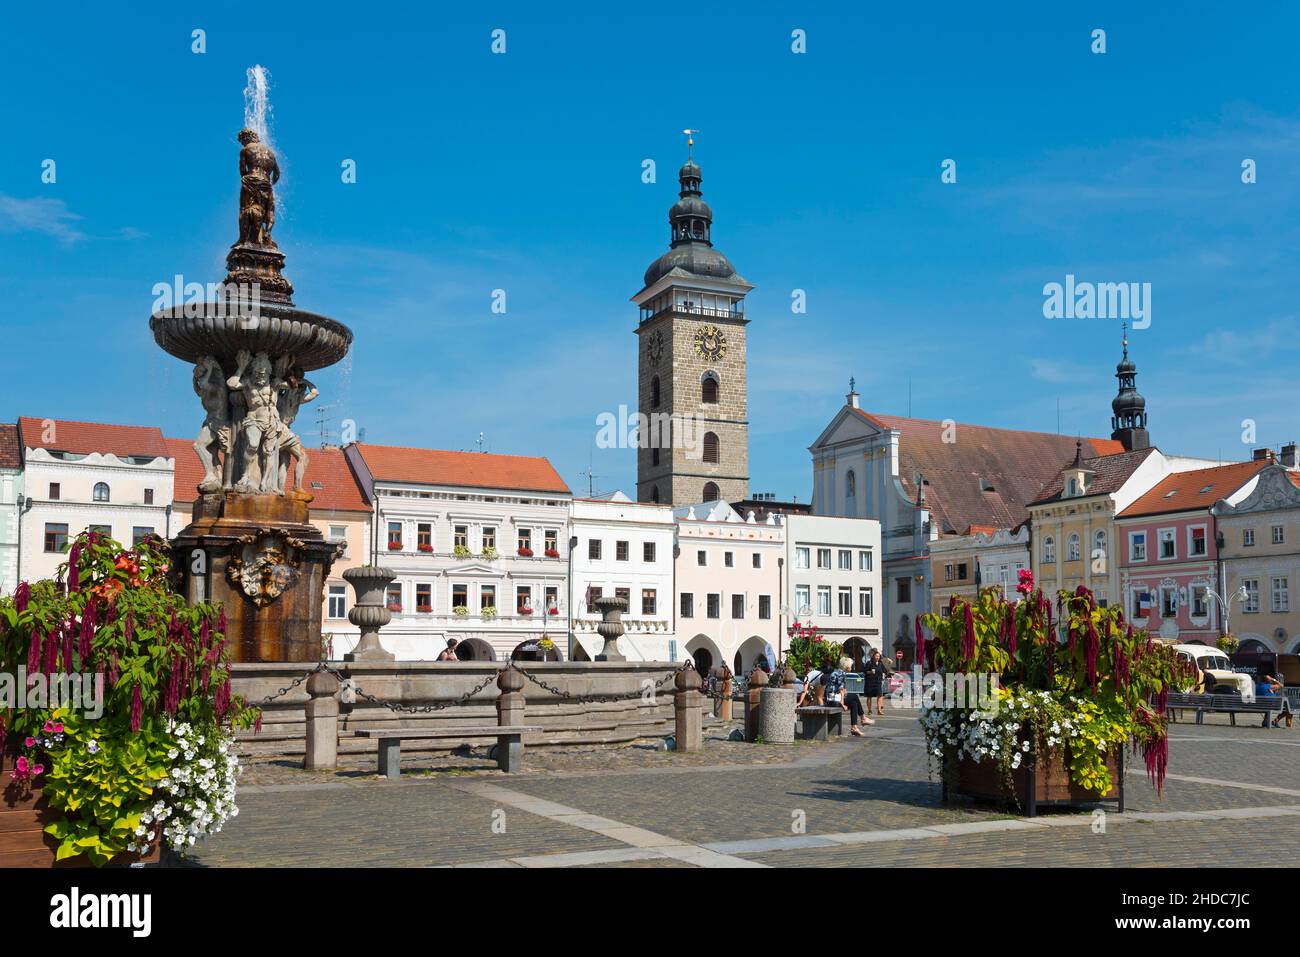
250	543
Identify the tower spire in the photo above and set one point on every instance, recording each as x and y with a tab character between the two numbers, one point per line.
1129	422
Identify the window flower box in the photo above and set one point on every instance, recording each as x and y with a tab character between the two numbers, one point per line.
525	553
426	547
552	611
394	546
525	611
489	554
552	553
424	609
462	552
395	606
460	611
488	612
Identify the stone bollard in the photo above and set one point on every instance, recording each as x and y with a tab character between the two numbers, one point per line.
687	711
789	679
757	682
322	722
724	687
776	713
510	710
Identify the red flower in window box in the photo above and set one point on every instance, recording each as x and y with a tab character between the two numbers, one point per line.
525	553
552	553
394	546
424	609
525	610
552	610
394	606
426	547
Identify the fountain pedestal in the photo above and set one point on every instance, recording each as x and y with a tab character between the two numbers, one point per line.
262	559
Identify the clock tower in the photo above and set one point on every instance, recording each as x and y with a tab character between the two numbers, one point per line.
694	446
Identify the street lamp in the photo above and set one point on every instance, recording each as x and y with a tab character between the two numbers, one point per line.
1226	604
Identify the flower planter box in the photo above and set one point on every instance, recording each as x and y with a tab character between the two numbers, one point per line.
1038	782
24	812
426	549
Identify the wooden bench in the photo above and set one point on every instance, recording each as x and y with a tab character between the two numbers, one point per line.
818	722
510	743
1229	704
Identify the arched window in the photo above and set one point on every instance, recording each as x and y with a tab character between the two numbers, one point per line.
711	453
709	389
1099	544
654	393
101	492
1049	549
711	493
654	494
654	456
1072	548
851	494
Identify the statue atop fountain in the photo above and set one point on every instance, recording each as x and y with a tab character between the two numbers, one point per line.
251	544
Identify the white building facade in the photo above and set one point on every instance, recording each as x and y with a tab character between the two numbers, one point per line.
729	586
834	580
81	476
624	548
480	546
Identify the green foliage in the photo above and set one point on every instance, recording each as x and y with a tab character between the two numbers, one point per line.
808	650
112	612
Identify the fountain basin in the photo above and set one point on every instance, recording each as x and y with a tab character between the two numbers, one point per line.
277	329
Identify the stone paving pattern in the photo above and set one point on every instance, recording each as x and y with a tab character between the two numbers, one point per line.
871	800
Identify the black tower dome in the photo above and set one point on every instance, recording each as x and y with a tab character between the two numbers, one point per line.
1130	419
691	245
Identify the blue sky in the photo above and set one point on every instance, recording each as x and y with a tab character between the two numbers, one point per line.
523	172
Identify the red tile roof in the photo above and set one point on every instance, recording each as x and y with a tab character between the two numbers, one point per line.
1196	490
83	438
1015	463
338	491
470	469
11	452
1110	472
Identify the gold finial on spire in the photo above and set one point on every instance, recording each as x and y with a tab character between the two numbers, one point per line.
690	143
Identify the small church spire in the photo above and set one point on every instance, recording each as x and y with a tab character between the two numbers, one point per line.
1129	422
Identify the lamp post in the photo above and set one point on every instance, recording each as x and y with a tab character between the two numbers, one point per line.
573	543
1225	604
24	504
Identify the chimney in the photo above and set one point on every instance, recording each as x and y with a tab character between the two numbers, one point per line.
1261	455
1290	456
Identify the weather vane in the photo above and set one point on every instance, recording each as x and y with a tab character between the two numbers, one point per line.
690	142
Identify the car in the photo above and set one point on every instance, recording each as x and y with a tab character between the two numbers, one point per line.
1211	662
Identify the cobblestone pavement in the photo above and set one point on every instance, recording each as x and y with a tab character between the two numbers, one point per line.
852	802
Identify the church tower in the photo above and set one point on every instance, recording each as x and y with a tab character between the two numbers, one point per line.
692	388
1130	419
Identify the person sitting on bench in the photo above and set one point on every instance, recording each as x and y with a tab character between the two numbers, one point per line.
1269	687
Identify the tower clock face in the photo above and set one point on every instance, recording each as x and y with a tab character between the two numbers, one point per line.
710	343
654	348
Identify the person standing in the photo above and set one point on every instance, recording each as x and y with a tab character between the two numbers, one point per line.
873	672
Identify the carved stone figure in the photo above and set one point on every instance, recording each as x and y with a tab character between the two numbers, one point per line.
265	566
260	428
213	440
259	172
297	391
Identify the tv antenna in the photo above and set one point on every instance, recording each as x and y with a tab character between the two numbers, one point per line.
480	442
323	420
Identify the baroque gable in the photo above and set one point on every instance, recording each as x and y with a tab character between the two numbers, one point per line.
1274	491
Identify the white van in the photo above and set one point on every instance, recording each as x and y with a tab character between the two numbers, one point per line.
1212	661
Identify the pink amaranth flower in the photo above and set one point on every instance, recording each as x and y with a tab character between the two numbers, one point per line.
34	653
137	708
968	635
22	595
920	643
1011	630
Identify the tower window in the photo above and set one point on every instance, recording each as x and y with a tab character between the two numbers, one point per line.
709	389
711	493
711	453
654	393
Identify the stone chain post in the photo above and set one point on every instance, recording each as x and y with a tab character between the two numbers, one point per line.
322	722
757	682
788	678
724	686
687	707
510	711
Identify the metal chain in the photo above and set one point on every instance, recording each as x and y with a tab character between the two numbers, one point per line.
602	699
296	682
429	708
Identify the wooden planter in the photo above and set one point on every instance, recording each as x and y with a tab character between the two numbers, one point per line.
24	812
1040	781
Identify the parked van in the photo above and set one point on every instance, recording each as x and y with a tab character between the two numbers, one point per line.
1214	664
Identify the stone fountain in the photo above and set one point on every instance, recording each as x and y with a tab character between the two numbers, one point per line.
250	544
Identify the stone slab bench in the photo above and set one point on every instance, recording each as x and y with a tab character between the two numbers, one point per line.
510	743
1229	704
818	722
